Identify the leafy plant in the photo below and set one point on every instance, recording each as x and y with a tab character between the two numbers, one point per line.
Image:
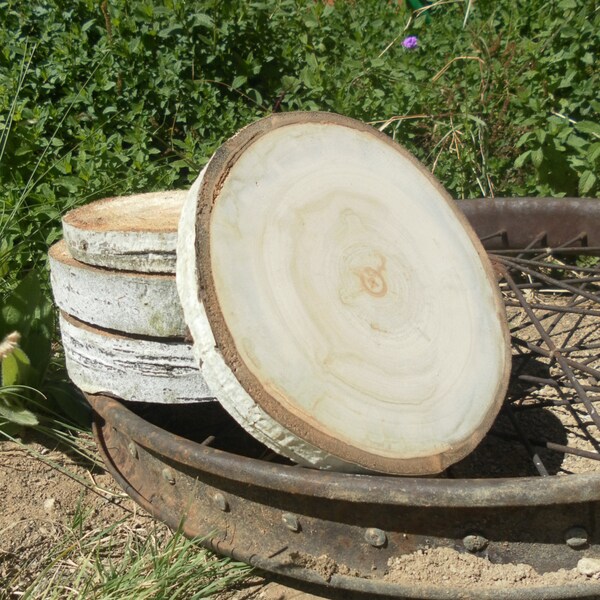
30	385
115	97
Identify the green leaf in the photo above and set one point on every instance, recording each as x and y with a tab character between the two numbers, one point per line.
168	31
238	81
576	142
202	20
18	310
15	368
588	58
328	10
311	61
523	139
87	25
70	183
541	135
10	371
14	412
39	348
586	182
588	127
537	156
594	152
520	161
24	150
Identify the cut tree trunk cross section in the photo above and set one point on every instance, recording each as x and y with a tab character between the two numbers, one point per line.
343	310
129	233
136	369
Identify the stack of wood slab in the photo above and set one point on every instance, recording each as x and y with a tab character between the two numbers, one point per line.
342	309
113	279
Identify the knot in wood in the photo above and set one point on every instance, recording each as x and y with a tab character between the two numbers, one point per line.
373	282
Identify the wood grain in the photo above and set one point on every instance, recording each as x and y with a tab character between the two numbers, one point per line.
344	311
131	368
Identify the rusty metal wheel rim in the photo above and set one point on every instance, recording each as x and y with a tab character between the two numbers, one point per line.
399	491
140	436
505	228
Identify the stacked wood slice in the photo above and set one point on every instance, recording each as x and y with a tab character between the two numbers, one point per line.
342	309
113	278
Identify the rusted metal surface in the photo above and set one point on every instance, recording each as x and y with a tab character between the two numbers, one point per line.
196	468
513	223
272	515
339	487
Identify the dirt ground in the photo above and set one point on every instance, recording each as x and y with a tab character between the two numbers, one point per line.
39	503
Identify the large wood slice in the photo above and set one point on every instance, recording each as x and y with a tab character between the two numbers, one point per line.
135	369
140	303
344	311
131	233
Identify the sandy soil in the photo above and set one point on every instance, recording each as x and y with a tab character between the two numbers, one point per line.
40	504
447	567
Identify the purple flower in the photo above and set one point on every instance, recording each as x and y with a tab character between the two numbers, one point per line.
411	42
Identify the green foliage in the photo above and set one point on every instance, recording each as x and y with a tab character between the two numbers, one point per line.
561	138
29	311
30	388
115	97
107	98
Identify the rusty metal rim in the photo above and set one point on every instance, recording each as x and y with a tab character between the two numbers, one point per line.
570	225
373	489
507	224
356	585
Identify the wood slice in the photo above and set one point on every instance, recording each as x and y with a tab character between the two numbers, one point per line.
135	369
131	233
345	312
140	303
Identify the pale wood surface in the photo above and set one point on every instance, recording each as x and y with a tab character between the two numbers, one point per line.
132	233
140	303
344	311
134	369
216	372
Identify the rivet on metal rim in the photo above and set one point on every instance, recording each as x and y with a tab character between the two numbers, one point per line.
475	542
291	521
220	502
576	537
375	537
132	449
168	475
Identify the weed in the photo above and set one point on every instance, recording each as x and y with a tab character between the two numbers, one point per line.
122	561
